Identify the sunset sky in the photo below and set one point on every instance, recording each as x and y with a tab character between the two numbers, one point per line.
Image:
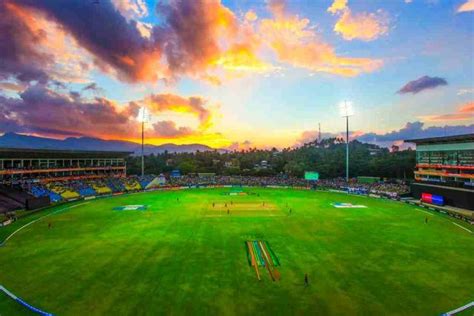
237	74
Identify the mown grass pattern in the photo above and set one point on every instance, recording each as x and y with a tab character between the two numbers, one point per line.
173	259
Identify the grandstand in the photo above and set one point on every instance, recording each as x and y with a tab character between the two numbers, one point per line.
52	165
32	178
445	167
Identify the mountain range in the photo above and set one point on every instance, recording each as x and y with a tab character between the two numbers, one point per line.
13	140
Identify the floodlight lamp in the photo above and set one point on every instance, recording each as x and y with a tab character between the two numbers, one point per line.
346	109
143	115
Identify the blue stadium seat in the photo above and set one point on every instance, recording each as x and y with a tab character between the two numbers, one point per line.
54	197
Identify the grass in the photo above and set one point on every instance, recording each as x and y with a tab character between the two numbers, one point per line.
176	259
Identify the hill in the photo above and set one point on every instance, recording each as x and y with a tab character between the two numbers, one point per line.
13	140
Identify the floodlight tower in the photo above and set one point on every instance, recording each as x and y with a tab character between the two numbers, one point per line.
319	133
143	117
346	111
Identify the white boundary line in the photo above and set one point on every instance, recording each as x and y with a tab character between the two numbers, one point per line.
7	292
22	302
460	309
462	227
32	222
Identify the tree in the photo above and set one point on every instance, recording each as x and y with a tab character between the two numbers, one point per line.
326	157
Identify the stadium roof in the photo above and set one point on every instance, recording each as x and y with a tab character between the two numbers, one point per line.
26	153
444	139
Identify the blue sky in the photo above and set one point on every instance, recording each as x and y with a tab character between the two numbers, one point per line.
265	72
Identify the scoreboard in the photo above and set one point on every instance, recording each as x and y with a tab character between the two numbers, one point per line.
311	175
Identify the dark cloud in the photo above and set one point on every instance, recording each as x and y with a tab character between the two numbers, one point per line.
40	110
43	111
417	130
240	146
422	83
76	96
93	87
188	38
186	41
409	131
7	122
132	109
194	37
50	132
102	30
168	129
191	32
19	57
57	84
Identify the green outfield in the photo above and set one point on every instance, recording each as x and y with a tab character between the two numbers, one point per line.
185	252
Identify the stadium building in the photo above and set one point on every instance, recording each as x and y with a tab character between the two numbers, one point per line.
445	169
28	176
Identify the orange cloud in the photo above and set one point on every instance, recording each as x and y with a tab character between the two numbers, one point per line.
210	43
241	58
467	108
42	111
337	5
251	16
466	6
159	103
197	29
296	43
364	26
464	113
165	130
201	39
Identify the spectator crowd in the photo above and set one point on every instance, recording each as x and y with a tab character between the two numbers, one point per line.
66	190
391	189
